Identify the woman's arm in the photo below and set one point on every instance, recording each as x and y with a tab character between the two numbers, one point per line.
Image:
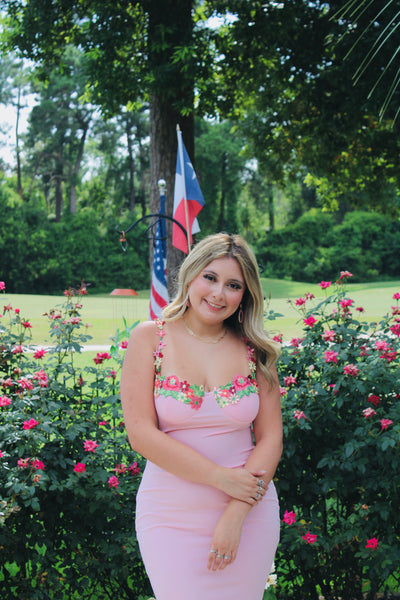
265	457
137	398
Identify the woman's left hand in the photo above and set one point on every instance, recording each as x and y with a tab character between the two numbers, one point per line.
225	542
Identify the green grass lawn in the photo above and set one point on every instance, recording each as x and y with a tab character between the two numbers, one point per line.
105	313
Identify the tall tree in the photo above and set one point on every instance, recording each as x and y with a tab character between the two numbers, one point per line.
58	127
296	96
14	86
143	49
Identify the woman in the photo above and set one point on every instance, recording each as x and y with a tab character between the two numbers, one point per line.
201	403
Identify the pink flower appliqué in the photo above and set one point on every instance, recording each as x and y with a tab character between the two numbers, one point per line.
195	401
171	383
240	382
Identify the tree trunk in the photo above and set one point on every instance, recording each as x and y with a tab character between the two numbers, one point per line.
131	164
77	166
271	207
59	198
19	177
221	216
163	148
174	22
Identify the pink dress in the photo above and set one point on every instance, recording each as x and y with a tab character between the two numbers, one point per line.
175	518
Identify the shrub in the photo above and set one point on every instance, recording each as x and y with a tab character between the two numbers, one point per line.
68	480
317	247
42	257
339	478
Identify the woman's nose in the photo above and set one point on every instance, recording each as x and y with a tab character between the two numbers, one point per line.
218	290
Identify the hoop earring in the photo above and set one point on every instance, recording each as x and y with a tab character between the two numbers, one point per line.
240	314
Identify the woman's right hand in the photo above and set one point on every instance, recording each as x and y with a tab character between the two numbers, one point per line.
241	484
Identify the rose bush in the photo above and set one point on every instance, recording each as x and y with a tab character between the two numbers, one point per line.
339	478
68	479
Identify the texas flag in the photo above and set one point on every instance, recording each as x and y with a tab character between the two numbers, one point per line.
188	199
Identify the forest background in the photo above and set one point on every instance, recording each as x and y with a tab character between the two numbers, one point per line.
291	108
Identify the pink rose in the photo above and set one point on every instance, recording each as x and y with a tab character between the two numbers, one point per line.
310	321
372	543
289	517
79	467
30	424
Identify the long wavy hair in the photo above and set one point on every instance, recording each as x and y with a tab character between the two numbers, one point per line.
223	245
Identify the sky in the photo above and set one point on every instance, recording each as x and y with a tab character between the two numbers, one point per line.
7	131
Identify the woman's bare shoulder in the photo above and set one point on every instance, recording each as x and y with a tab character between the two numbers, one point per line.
144	332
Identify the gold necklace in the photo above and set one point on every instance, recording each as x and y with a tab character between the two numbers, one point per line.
223	334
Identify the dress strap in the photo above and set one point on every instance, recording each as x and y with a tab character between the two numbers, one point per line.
251	357
158	355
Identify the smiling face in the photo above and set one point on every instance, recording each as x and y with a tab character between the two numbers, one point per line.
216	293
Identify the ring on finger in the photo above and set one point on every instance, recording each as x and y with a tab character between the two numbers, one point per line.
213	552
257	496
219	555
260	482
227	557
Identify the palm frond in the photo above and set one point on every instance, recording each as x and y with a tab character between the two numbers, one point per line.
353	11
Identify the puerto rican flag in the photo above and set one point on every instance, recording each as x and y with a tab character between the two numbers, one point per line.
188	199
159	291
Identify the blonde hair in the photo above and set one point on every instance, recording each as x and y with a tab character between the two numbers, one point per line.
223	245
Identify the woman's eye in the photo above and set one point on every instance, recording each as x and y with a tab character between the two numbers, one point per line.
209	277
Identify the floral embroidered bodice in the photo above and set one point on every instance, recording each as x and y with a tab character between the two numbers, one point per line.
229	393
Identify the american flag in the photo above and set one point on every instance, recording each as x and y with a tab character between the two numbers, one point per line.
159	291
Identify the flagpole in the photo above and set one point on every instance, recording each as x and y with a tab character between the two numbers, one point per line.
180	149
